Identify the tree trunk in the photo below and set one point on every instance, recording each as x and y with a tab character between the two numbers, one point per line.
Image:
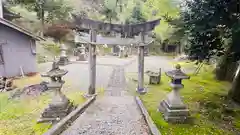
221	69
234	92
42	20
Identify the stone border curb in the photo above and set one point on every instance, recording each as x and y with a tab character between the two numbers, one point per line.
153	128
61	125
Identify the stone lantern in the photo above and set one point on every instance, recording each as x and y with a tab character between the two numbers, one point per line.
173	108
81	54
60	105
63	58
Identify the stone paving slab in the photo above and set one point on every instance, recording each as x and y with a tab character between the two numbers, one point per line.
110	115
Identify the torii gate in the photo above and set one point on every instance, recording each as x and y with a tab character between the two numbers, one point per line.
127	30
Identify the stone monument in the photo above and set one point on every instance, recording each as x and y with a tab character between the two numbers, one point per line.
173	108
60	105
63	58
154	77
81	54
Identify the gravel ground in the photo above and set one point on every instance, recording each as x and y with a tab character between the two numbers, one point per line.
110	116
78	73
114	114
152	63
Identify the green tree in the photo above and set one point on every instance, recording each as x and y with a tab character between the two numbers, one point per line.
155	9
136	16
110	14
109	10
213	28
47	11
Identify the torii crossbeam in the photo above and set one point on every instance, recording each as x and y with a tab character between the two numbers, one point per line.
127	30
85	38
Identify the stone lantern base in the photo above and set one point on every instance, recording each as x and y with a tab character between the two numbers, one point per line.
57	109
63	60
173	108
81	57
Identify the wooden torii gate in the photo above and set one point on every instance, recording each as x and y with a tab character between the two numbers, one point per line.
126	30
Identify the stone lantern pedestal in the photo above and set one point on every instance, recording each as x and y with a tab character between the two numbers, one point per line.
60	105
63	58
173	108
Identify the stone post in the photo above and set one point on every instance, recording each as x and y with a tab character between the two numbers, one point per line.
92	64
141	88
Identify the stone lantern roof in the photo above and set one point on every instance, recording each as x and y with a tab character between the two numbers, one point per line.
55	72
177	73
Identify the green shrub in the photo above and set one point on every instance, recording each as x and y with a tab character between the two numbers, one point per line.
53	48
40	58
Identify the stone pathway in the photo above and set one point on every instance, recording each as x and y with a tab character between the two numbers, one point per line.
117	83
116	113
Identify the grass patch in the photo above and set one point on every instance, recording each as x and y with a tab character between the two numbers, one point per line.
206	100
53	48
19	116
170	54
23	82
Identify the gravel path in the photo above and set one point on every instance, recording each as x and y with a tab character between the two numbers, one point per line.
114	114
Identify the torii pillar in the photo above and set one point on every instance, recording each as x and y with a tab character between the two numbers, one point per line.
92	63
140	87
